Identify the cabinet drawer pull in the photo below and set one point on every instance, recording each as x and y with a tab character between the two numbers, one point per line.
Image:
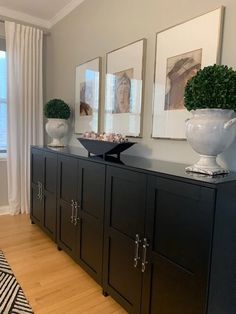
72	211
136	252
144	255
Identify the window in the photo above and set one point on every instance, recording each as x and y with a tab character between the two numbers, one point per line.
3	102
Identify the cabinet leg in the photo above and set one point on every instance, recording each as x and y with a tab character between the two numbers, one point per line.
59	249
32	223
105	294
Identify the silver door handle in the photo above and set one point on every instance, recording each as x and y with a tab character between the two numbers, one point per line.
144	255
136	250
41	191
76	213
38	195
76	218
72	211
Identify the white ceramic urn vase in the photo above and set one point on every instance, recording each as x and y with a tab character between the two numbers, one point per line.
210	132
57	129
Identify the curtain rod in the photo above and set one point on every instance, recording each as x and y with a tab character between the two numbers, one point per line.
45	32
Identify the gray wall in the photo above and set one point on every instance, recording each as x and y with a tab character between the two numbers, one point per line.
99	26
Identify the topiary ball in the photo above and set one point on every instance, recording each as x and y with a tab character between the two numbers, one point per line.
212	87
56	109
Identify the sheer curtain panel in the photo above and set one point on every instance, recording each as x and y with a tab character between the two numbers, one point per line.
24	46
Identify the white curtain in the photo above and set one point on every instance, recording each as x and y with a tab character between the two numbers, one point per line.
25	113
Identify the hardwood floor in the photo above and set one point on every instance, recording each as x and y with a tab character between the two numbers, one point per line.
51	280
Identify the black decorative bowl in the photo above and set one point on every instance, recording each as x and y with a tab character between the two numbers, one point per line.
103	148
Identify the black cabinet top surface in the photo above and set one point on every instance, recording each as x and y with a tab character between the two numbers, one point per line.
163	168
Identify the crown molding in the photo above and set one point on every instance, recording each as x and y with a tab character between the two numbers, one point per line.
65	11
26	18
9	14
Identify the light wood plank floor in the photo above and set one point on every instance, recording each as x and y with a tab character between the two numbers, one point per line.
51	280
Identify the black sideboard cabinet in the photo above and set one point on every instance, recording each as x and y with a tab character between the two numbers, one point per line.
158	240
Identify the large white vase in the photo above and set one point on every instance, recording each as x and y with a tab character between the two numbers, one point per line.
57	129
210	132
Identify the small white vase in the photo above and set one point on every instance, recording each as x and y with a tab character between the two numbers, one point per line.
210	132
57	129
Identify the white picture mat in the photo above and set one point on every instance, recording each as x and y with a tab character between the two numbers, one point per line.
86	123
129	57
126	58
201	32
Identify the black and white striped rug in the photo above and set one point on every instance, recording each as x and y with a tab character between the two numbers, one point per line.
12	298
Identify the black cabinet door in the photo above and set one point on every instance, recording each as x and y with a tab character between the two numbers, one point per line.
37	172
179	226
43	190
67	193
124	219
91	214
50	194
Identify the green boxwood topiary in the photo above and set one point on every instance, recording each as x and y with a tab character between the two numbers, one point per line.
56	109
212	87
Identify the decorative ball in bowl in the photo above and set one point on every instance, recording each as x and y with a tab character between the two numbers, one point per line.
104	144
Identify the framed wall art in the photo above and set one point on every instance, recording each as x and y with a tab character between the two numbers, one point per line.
124	89
87	96
180	52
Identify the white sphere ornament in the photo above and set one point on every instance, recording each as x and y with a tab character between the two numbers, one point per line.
210	132
57	129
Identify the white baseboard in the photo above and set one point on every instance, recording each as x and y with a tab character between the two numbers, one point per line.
4	210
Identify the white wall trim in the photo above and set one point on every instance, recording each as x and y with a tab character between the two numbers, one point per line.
65	11
19	16
4	210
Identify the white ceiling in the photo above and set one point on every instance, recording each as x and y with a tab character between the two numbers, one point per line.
44	13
